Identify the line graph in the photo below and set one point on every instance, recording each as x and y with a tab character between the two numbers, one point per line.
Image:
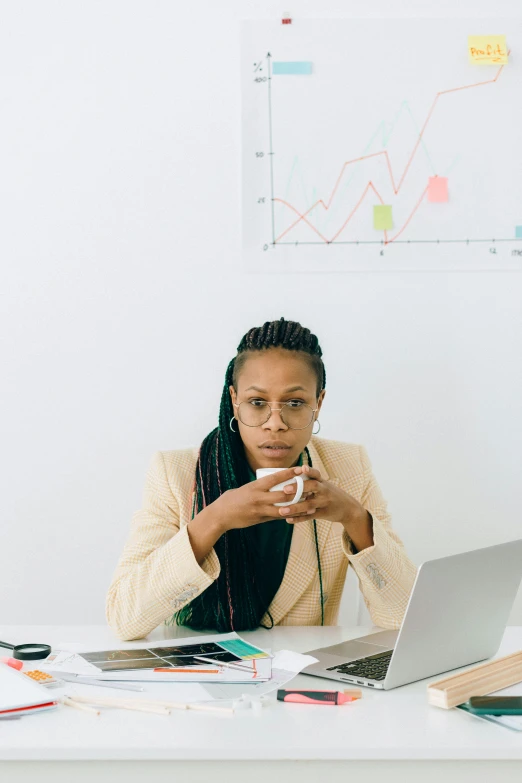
396	187
458	136
385	134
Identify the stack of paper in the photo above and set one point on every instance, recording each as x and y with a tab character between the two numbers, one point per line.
228	658
19	695
513	722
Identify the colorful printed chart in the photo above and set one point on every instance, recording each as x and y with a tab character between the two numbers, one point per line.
382	144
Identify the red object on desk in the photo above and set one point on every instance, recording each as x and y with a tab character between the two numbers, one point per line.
13	662
30	709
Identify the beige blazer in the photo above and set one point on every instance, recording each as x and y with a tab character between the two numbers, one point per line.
158	574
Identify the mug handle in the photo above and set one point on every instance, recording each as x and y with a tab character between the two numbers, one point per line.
299	490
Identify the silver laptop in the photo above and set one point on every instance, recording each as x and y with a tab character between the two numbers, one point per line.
456	615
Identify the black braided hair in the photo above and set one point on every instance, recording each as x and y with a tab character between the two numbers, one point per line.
232	601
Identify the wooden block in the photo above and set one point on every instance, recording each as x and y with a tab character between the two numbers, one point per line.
478	681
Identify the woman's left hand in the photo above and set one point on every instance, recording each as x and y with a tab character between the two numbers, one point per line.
324	500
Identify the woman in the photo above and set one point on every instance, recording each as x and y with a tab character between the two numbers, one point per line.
211	551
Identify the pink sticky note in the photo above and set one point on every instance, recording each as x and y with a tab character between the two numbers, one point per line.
438	189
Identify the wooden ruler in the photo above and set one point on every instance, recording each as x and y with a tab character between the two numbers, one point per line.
479	681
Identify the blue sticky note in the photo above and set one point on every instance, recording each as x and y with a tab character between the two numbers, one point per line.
518	232
291	68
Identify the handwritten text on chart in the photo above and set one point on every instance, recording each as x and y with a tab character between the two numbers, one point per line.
487	49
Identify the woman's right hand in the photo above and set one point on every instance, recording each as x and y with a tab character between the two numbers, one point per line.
251	504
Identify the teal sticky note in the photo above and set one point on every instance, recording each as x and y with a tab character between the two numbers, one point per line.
291	68
518	232
382	217
242	649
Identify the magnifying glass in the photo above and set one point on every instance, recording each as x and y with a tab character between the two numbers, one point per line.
28	652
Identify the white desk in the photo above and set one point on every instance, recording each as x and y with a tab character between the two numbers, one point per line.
392	736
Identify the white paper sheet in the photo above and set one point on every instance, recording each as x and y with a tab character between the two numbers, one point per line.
73	662
285	665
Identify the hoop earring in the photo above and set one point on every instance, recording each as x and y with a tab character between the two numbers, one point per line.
230	424
318	430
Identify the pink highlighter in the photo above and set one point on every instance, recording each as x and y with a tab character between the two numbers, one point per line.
318	697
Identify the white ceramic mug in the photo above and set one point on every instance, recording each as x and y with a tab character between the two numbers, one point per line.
262	472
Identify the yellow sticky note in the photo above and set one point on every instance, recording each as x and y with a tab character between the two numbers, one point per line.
487	49
382	217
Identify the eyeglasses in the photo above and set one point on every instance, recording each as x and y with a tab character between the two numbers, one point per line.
295	414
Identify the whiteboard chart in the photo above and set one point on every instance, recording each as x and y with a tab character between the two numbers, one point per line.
376	144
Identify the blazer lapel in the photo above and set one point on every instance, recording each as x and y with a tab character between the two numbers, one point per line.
302	566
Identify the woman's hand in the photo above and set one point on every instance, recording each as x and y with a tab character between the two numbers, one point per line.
324	500
253	503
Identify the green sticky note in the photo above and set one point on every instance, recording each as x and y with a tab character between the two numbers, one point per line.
382	217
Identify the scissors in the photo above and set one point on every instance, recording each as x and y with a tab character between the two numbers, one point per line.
28	652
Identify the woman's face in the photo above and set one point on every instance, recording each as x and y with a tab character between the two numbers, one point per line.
275	375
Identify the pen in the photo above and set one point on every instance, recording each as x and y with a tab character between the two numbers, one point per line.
159	707
98	683
219	663
72	703
318	697
125	704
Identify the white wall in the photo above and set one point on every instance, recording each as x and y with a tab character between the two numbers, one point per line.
123	298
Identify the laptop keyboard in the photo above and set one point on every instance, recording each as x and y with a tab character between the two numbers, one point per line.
373	667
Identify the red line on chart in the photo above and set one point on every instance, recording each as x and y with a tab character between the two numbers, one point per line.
396	188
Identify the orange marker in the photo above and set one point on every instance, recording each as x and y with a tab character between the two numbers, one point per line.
189	671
